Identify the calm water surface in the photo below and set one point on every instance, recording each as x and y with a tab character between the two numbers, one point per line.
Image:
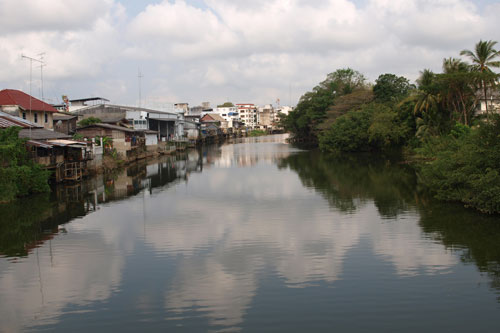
252	236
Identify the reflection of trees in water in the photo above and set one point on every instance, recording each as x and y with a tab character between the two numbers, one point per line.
476	237
26	223
348	181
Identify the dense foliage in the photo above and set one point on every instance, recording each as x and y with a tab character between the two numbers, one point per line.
310	112
437	116
465	166
390	88
19	175
226	105
373	127
89	121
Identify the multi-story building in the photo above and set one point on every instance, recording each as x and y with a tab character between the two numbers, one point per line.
22	105
267	116
230	114
248	114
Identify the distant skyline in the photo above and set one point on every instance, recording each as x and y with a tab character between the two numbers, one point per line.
217	50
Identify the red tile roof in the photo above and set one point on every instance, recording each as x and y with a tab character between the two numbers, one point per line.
17	97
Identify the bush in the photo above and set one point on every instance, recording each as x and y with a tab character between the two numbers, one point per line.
465	166
373	127
19	175
349	133
89	121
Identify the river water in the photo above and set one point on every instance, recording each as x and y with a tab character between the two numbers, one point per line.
249	236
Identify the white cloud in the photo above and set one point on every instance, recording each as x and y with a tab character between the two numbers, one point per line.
244	50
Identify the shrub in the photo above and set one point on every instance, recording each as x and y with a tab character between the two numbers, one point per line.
466	166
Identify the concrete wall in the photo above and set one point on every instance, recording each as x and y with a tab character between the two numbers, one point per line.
30	115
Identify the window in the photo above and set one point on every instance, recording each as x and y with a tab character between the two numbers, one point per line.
46	118
36	117
24	115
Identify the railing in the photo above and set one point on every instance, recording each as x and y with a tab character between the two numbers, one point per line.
73	171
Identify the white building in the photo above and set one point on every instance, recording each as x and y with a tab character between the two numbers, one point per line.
230	114
248	114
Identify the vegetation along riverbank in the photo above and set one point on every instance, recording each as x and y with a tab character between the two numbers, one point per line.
447	124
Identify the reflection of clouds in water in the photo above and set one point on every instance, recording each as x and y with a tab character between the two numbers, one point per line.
227	237
223	230
402	242
83	266
206	285
35	290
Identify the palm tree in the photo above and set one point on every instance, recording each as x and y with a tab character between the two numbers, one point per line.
427	100
483	58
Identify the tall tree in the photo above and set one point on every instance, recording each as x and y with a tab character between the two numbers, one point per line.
458	88
483	59
389	87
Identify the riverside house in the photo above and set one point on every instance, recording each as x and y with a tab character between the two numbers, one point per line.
55	151
131	144
22	105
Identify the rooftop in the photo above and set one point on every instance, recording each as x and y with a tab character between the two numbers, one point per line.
7	120
109	126
41	134
89	99
25	101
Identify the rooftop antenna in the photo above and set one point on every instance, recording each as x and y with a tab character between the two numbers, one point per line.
31	59
42	64
140	76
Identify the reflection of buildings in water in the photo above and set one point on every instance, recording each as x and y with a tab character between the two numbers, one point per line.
48	281
270	150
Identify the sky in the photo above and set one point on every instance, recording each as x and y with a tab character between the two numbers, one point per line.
192	51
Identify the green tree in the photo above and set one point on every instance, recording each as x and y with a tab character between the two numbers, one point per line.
458	88
19	175
430	115
391	88
483	59
89	121
311	110
226	105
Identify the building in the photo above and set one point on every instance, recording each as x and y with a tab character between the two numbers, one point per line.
22	105
77	104
248	114
182	106
230	115
55	151
492	100
267	116
215	119
65	123
195	111
168	125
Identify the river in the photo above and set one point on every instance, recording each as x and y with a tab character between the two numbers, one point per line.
250	236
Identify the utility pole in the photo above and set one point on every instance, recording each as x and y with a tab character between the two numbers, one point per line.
140	76
31	78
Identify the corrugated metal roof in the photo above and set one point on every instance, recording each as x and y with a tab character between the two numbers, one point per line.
109	126
71	143
41	134
39	144
17	97
16	121
62	116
